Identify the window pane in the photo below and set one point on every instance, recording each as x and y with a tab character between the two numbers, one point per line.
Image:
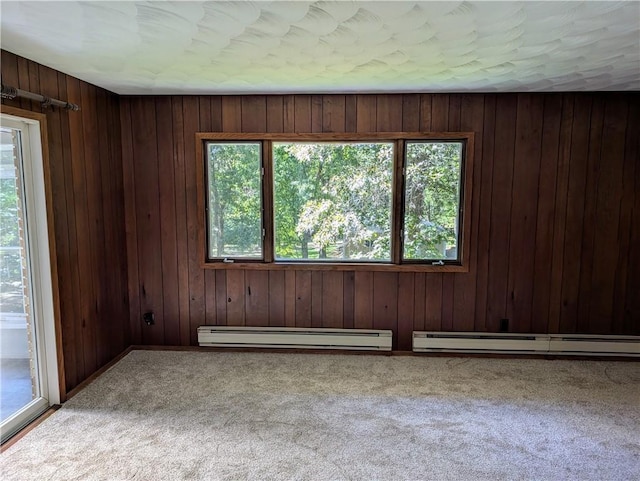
432	199
234	200
333	201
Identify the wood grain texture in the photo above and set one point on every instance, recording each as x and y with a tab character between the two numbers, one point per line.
536	161
87	182
554	216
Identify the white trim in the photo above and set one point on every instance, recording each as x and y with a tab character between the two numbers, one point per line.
295	338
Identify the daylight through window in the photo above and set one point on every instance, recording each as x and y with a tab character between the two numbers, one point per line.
365	200
333	201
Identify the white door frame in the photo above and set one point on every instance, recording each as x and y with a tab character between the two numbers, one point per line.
40	246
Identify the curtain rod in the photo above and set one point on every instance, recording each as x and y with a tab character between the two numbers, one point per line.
12	93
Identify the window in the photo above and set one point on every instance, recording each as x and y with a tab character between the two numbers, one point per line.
234	197
384	201
432	200
332	201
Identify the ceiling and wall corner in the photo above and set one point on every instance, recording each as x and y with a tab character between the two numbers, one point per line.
224	47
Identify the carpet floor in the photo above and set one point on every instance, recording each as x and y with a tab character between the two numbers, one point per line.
162	415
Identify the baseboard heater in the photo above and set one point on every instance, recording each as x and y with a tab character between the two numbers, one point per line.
295	338
509	343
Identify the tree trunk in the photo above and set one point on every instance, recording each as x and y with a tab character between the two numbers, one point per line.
305	246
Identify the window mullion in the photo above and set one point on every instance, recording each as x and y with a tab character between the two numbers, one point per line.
397	195
267	200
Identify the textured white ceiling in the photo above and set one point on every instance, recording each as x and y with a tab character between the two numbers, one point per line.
346	46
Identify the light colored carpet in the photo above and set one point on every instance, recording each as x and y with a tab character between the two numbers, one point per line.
221	415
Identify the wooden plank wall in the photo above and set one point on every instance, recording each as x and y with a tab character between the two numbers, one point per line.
555	218
86	171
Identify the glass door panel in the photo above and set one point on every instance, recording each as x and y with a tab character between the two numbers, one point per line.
21	389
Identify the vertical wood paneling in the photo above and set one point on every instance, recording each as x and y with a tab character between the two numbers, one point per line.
632	302
589	214
389	113
107	337
303	298
231	114
182	243
236	298
562	181
168	231
556	185
545	213
537	162
119	241
275	113
316	298
348	304
501	210
10	77
93	159
257	298
277	298
88	214
406	301
631	157
451	122
366	117
316	113
333	113
221	298
608	204
419	301
575	214
56	134
210	301
627	302
24	82
289	113
464	302
71	326
524	202
332	299
484	222
256	118
385	301
351	113
191	124
411	112
290	298
145	151
433	302
84	329
302	113
363	300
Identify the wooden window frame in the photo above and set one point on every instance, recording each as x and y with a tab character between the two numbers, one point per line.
396	264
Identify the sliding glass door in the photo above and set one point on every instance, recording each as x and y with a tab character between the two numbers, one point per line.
26	308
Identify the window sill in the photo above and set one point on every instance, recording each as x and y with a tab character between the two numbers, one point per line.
334	266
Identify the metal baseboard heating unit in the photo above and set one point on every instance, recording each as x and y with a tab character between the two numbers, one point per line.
513	343
586	344
478	342
295	338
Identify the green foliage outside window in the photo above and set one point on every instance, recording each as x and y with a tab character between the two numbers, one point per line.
432	196
332	201
235	200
